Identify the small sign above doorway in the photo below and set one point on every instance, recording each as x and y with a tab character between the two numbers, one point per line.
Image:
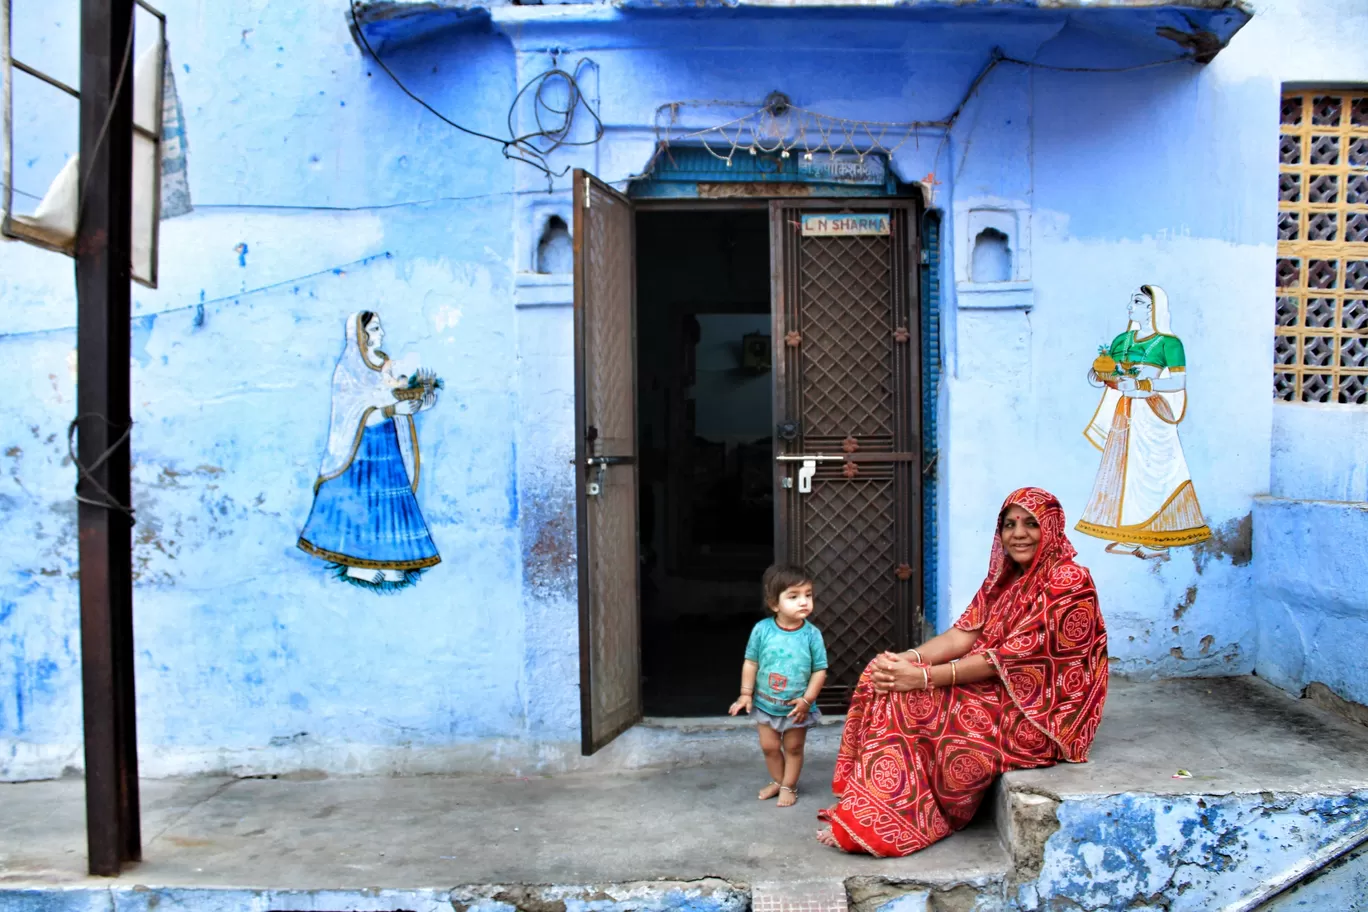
844	168
845	224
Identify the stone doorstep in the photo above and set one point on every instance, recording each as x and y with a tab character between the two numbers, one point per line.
659	741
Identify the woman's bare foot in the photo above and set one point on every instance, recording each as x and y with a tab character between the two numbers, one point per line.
788	797
769	791
827	838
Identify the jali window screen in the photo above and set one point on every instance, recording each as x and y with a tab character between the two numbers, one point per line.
1321	346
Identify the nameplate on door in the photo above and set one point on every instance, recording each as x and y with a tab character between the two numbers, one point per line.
846	224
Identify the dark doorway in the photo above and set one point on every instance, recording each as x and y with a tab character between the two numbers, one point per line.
705	420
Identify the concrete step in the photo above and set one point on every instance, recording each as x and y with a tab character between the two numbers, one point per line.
1274	781
674	742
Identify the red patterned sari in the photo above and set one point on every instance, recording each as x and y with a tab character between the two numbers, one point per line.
913	767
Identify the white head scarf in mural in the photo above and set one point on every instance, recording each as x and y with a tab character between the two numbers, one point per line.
363	382
1159	298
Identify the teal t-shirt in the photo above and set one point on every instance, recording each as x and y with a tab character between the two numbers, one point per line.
787	660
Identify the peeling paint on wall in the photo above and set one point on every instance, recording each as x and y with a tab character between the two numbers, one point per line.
1182	852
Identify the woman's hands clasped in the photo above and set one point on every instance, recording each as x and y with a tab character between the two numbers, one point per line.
895	673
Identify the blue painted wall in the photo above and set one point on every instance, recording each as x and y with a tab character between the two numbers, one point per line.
321	190
1310	533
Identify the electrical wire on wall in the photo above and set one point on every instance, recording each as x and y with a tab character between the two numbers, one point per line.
555	122
777	126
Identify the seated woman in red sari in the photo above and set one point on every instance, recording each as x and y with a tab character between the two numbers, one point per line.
1018	682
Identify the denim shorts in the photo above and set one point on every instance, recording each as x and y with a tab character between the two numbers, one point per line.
782	724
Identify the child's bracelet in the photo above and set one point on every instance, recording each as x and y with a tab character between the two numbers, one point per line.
747	693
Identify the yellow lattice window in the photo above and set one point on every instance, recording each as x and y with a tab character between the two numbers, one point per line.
1321	347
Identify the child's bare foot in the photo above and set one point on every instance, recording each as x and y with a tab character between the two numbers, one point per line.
769	791
827	838
788	797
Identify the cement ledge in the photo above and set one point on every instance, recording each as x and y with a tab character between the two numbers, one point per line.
1202	27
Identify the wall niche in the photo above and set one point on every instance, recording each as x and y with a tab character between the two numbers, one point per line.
992	257
555	252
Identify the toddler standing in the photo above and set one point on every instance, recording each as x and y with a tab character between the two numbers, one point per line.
784	671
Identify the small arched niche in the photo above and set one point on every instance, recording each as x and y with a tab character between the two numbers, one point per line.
555	254
992	257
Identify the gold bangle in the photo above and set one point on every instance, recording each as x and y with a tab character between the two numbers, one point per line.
1145	385
388	411
954	673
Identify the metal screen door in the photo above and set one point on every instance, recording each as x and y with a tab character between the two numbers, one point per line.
848	447
605	457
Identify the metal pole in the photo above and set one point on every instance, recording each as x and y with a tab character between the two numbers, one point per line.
103	249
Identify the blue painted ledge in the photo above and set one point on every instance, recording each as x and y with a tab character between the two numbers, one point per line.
1197	27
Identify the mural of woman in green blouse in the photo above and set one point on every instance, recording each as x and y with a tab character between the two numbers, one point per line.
1143	501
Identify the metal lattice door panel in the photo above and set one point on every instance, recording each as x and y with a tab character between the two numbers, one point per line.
850	546
848	383
605	455
846	324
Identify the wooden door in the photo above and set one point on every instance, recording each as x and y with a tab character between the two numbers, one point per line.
605	456
847	398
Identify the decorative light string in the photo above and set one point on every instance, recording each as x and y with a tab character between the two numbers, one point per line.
779	127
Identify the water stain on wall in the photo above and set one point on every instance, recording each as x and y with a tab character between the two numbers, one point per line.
549	555
1233	540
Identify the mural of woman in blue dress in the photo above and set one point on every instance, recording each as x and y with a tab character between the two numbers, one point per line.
365	520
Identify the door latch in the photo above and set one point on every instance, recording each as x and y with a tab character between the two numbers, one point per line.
807	469
598	468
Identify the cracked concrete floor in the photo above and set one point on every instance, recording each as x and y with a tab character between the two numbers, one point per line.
442	831
1233	734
